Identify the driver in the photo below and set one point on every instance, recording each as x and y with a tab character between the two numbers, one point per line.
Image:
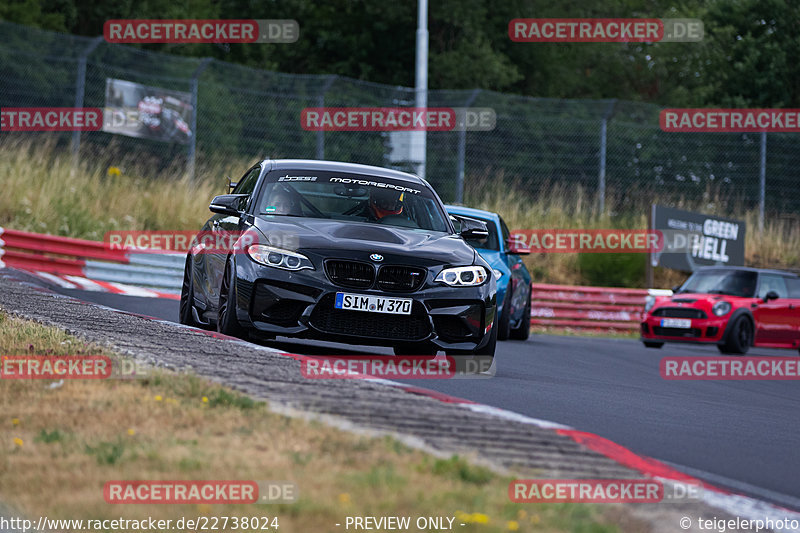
282	202
383	202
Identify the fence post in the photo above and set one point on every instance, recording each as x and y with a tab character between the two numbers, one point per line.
601	185
193	137
462	151
601	177
80	89
762	174
321	103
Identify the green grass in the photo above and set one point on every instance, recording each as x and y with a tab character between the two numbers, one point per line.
59	446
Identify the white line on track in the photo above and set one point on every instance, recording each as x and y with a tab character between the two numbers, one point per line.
86	283
56	279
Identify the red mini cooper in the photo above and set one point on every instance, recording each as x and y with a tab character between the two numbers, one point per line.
732	307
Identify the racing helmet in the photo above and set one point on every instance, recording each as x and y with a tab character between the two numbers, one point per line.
386	202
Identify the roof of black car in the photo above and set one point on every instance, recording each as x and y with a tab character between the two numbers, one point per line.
341	166
749	269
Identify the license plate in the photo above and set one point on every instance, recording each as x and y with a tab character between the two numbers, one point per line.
373	304
676	323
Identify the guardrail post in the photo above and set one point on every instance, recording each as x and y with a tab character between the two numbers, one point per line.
320	153
193	137
80	89
462	152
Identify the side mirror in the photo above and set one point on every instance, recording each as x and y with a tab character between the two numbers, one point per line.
675	288
473	229
227	204
771	295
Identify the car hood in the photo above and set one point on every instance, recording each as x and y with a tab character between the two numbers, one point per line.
694	297
356	240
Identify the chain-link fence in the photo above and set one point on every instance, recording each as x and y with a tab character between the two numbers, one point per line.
612	150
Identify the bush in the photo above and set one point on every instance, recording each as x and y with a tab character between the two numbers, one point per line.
613	270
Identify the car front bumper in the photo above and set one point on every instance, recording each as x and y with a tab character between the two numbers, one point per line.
702	330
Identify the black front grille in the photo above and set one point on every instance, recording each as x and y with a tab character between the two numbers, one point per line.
680	312
327	319
400	278
350	273
676	332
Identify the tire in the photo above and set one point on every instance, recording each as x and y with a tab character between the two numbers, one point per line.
187	296
227	322
477	362
739	337
523	331
648	344
490	347
415	348
504	320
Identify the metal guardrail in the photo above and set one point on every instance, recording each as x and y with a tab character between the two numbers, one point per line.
557	306
51	254
600	308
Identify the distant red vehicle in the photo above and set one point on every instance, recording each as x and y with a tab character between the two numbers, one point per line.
732	307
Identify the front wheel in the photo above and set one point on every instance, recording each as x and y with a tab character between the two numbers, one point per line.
503	323
227	322
479	361
187	295
739	338
523	331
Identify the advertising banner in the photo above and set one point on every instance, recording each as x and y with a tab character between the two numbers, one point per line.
147	112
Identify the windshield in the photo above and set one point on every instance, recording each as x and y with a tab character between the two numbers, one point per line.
352	197
730	282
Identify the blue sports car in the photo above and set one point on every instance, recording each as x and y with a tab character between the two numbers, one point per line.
513	279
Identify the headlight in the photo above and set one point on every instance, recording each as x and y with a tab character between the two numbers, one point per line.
275	257
469	276
649	302
497	273
721	308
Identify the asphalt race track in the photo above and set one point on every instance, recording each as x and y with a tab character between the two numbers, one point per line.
742	435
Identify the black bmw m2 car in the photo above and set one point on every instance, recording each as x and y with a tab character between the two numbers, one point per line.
342	252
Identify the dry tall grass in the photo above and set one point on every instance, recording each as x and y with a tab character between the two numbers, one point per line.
39	193
777	246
